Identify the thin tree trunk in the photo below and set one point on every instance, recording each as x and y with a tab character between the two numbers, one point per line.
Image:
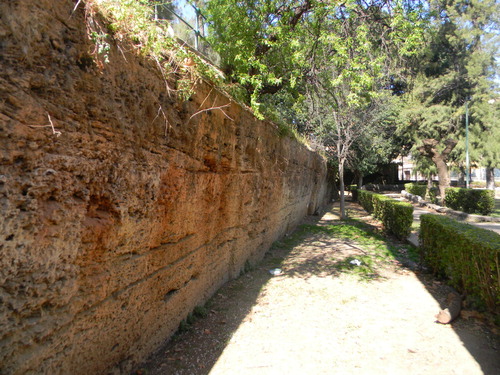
429	185
360	181
341	187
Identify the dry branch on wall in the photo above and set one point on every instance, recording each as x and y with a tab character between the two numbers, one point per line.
212	108
57	133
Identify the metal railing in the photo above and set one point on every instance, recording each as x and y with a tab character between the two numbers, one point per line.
188	24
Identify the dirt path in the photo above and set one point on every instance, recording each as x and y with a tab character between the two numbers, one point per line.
326	315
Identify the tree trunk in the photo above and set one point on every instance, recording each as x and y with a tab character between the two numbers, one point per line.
490	178
360	181
461	177
429	184
454	302
444	176
341	188
430	150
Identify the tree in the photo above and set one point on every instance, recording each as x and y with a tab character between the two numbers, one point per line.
258	43
486	137
352	57
456	66
377	144
324	64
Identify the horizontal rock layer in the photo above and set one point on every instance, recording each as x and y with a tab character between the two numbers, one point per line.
123	206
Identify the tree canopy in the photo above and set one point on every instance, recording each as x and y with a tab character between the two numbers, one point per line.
392	72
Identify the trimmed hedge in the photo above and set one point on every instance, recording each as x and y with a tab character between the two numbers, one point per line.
396	216
470	201
354	192
365	199
433	194
416	189
467	255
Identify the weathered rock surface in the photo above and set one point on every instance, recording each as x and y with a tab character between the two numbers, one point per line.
112	231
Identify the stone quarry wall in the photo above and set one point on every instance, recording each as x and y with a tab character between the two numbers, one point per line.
128	212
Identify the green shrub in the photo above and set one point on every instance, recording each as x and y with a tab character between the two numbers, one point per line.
470	201
354	192
401	219
452	198
397	217
416	189
467	255
433	194
365	199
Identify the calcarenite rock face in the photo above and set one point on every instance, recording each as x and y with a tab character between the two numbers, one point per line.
114	229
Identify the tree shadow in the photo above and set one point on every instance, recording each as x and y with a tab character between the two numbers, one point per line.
318	248
310	251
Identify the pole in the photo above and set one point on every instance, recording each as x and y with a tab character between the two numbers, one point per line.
197	30
467	166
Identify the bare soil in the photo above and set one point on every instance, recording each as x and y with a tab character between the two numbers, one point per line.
324	314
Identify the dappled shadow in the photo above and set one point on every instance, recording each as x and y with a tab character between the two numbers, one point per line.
320	248
473	328
310	251
321	255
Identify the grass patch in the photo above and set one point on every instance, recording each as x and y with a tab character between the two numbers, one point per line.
372	251
365	271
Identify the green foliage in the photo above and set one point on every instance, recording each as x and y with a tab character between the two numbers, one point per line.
416	189
397	217
457	65
470	200
400	219
354	192
365	199
199	312
433	194
453	197
131	21
467	255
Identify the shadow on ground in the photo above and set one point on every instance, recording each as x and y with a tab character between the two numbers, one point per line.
328	248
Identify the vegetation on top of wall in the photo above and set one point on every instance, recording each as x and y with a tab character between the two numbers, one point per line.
131	22
126	21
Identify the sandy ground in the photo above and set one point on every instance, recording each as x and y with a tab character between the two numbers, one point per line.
320	316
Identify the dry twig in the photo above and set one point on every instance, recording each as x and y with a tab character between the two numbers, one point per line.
57	133
214	108
167	124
